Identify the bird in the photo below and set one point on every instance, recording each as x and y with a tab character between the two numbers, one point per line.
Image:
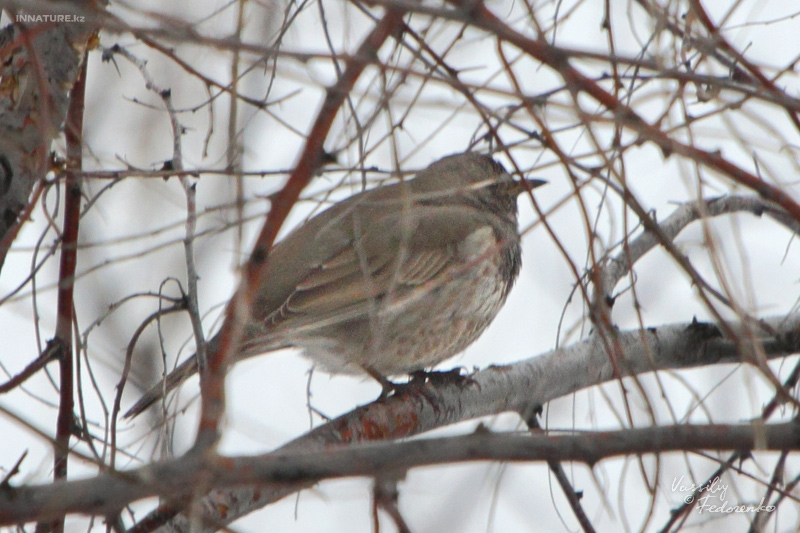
390	281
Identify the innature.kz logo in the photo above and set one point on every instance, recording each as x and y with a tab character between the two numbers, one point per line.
50	18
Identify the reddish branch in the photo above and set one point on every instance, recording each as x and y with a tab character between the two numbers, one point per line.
577	82
66	278
212	383
740	60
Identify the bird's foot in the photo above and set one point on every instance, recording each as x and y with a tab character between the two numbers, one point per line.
441	377
418	381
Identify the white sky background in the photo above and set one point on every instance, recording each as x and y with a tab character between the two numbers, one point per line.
124	232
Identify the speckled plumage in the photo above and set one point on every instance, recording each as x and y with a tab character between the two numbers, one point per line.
391	280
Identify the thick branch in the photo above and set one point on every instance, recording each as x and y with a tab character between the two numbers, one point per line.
520	387
177	478
39	66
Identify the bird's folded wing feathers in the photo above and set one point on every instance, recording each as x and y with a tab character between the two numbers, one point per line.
399	252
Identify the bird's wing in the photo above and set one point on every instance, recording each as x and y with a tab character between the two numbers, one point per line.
398	254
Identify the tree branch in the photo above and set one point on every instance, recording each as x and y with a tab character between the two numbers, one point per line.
177	478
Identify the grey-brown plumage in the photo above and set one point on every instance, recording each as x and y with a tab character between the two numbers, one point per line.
392	280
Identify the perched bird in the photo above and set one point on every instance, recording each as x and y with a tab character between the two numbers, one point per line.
389	281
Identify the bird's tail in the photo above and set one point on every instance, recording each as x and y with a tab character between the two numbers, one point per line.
259	344
184	371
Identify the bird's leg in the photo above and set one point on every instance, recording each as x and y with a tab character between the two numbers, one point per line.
387	387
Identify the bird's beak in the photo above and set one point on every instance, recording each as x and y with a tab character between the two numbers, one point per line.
516	188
